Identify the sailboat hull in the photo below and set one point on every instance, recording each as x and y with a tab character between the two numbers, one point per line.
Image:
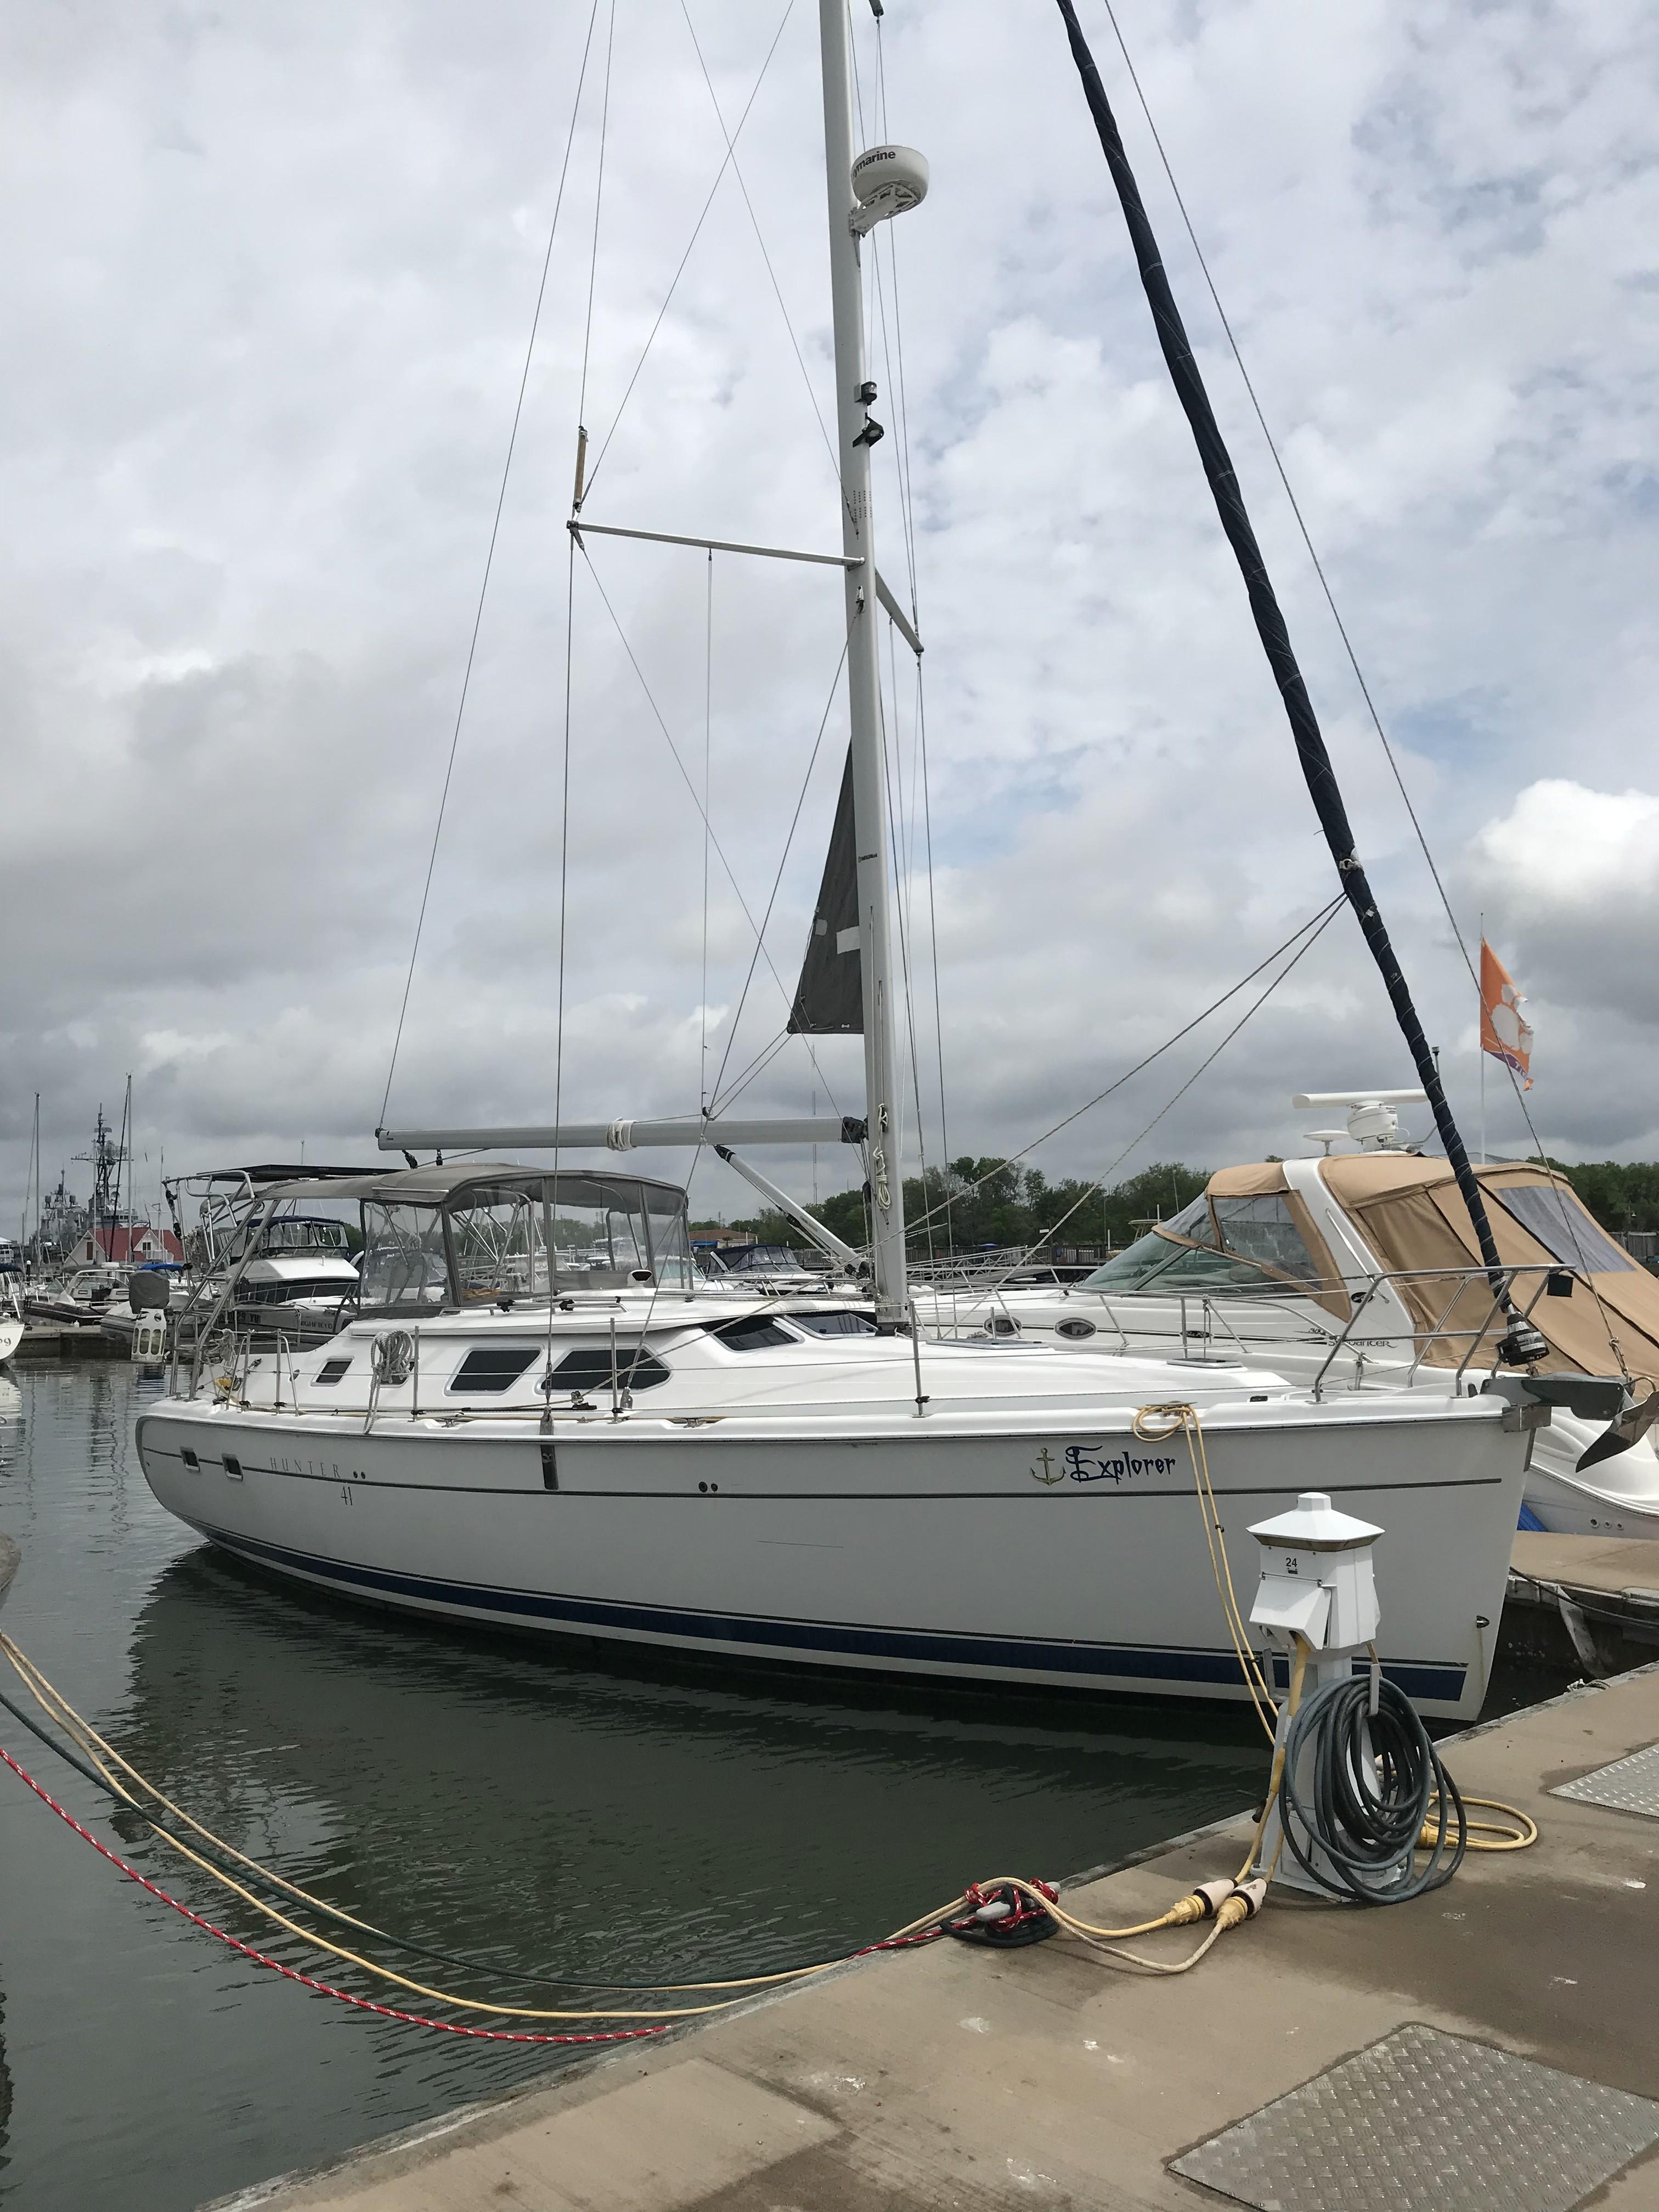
1003	1551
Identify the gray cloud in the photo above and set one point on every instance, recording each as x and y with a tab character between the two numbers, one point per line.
263	299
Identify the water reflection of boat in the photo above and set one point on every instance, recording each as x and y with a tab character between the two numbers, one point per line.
491	1799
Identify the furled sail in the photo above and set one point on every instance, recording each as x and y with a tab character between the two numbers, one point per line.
829	996
1275	639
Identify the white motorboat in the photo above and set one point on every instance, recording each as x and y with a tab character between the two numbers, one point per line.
510	1434
780	1269
11	1316
1358	1272
295	1281
81	1295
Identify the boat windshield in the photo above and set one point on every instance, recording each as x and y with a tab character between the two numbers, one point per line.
773	1259
1258	1248
607	1232
499	1232
304	1232
403	1262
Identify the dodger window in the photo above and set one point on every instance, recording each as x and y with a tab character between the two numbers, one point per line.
403	1262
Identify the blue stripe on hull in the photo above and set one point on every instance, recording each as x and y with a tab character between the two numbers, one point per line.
827	1639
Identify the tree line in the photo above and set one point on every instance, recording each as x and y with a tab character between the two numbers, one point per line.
1620	1193
973	1203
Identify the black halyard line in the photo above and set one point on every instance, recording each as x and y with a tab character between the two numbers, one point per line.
1614	1343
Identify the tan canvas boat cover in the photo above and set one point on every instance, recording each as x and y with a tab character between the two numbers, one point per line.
1267	1180
1412	1214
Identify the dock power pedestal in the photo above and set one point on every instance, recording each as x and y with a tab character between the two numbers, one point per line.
1318	1585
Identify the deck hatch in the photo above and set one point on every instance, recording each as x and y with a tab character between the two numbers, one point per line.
1487	2130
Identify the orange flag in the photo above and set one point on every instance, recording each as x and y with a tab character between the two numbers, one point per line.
1502	1032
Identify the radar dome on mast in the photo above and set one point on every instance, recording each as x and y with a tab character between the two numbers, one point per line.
887	180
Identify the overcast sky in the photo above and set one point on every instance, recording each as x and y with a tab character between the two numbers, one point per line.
266	280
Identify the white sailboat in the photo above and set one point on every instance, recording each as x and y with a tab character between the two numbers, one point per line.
509	1434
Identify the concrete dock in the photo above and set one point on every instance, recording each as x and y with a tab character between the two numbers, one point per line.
47	1342
1494	2044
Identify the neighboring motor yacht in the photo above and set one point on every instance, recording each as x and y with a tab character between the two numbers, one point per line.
1359	1272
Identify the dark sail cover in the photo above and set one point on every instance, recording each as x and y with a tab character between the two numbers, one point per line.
830	998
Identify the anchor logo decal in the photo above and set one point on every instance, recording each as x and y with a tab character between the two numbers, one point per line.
1046	1472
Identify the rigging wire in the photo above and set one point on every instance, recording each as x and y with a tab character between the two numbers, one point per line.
490	558
904	842
756	1067
1250	1013
685	257
1315	923
708	741
901	906
564	889
893	359
569	658
1342	632
777	289
719	850
598	208
932	929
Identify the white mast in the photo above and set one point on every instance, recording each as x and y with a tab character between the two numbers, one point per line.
863	670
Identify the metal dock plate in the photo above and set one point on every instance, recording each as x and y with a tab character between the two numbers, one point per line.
1629	1786
1424	2121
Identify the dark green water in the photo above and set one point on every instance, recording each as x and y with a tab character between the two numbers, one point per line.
528	1805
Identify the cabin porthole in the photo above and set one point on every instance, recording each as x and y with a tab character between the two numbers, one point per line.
1074	1326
